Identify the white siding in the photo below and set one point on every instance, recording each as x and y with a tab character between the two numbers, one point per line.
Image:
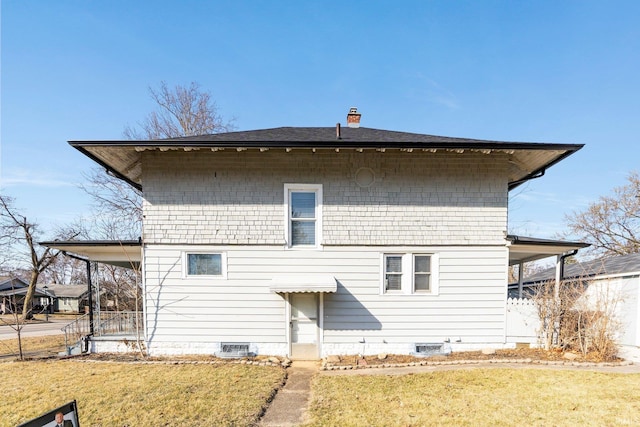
619	297
450	204
194	315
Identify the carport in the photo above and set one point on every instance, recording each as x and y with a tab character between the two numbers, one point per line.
527	249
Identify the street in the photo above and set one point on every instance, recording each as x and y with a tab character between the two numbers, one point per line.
39	328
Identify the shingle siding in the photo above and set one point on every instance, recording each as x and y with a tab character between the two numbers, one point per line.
226	197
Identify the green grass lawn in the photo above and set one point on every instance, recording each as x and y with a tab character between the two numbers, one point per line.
477	397
128	394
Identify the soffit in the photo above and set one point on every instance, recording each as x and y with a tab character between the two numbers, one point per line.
127	254
526	160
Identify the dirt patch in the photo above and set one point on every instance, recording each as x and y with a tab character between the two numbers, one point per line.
508	354
137	357
534	354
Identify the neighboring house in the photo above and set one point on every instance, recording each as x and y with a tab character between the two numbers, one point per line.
314	241
13	291
612	280
66	298
8	287
8	283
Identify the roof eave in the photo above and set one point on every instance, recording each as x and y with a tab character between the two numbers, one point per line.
541	170
107	167
329	145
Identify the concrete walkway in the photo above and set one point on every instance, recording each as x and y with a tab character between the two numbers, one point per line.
289	406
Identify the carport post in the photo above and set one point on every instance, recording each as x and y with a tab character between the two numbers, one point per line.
520	278
88	262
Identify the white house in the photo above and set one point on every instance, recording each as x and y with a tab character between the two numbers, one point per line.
614	287
324	240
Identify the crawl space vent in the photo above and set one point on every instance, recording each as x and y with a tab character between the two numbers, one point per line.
233	350
429	349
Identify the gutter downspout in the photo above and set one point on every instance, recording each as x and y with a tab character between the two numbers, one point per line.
520	279
534	175
91	331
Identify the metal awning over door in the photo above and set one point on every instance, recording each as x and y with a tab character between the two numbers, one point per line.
304	283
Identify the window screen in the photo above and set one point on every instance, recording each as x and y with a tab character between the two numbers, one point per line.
393	273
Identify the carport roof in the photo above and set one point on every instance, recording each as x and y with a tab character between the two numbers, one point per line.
526	249
121	253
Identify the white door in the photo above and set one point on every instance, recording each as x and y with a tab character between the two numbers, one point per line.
304	325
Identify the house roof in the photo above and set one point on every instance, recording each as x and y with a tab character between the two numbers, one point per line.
622	265
65	291
527	160
39	292
11	282
122	253
526	249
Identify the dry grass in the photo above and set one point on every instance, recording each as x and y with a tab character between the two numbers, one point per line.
497	397
45	345
130	394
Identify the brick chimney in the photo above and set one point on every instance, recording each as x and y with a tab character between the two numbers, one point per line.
353	118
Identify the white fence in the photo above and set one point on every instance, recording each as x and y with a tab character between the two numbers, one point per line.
523	323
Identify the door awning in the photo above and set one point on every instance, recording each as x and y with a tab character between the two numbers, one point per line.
304	283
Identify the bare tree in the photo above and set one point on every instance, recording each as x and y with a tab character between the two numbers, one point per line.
17	324
22	235
64	271
580	315
117	206
182	111
612	224
554	304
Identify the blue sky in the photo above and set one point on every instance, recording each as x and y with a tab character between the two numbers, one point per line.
543	71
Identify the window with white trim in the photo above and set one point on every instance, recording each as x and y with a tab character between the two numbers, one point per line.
409	273
392	273
204	264
421	273
303	203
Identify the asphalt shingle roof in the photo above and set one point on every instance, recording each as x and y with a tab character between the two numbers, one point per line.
71	291
616	265
328	135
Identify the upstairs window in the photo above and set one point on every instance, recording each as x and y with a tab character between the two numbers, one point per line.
303	204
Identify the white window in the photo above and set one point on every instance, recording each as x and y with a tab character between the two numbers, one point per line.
409	273
204	264
421	273
392	273
303	204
